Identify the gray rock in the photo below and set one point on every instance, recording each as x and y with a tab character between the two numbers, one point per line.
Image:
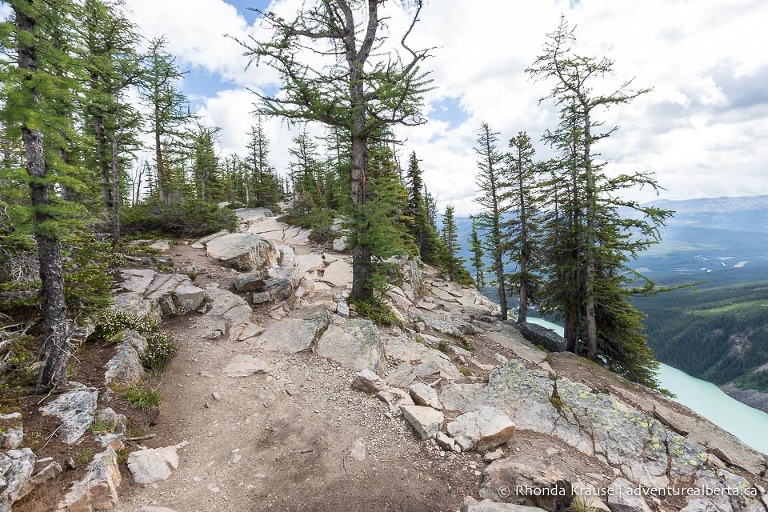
153	464
482	430
136	280
357	450
395	398
472	505
491	456
49	472
12	431
309	263
161	245
367	380
125	368
16	468
342	309
260	298
402	376
445	442
294	335
75	409
243	365
287	256
251	215
338	273
401	348
425	420
114	422
245	331
539	335
98	488
243	251
621	499
423	394
356	344
147	508
340	244
529	471
204	241
252	281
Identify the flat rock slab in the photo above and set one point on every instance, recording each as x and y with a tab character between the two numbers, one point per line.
401	348
243	251
356	344
154	464
244	365
425	420
338	273
482	430
75	409
294	335
309	263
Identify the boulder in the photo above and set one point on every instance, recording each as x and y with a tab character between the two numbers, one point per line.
188	297
16	468
250	282
356	344
309	263
287	256
340	244
243	251
540	335
112	421
250	215
46	474
75	409
338	273
425	420
481	430
395	398
125	368
294	335
424	360
97	490
12	430
152	464
423	394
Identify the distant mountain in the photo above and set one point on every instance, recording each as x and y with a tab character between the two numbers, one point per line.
748	213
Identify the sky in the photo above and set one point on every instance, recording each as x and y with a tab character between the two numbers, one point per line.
703	128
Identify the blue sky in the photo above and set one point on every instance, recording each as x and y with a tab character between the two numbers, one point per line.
703	129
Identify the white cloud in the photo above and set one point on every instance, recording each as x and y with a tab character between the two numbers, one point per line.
701	135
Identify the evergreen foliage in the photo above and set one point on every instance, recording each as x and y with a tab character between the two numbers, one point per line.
453	264
476	246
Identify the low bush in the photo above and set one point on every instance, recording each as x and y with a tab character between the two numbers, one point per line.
190	218
142	398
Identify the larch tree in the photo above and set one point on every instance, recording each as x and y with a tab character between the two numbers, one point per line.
168	112
521	230
493	199
476	246
33	93
603	238
356	86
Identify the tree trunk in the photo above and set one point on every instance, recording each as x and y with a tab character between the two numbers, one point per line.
590	266
361	253
115	191
55	351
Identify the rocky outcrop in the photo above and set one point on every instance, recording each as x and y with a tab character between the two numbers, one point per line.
243	251
125	368
154	295
539	335
481	430
295	334
356	344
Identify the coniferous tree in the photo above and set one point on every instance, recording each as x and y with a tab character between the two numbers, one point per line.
493	199
422	228
601	240
521	231
35	92
261	189
453	263
205	165
360	94
168	112
476	246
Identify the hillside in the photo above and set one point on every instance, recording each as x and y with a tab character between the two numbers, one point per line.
284	398
716	330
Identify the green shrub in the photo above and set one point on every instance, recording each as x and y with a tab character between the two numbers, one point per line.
377	311
160	350
142	398
187	219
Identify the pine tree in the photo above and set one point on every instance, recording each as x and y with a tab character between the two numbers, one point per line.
493	199
262	185
476	246
453	263
205	165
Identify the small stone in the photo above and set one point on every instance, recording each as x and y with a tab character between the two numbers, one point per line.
425	420
216	396
494	455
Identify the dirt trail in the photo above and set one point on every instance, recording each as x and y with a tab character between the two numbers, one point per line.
296	438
